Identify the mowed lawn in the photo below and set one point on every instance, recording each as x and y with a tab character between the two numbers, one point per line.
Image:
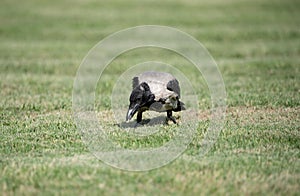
256	45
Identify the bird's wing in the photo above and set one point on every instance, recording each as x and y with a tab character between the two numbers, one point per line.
173	85
135	82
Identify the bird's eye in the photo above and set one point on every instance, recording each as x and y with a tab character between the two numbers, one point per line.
138	98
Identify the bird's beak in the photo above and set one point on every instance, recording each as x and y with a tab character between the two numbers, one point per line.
131	112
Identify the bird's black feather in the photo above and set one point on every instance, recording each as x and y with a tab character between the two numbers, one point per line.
135	82
173	85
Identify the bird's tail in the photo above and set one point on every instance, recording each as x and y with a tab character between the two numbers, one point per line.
180	106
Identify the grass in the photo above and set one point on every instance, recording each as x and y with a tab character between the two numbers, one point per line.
256	45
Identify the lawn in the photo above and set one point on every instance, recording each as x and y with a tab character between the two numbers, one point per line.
256	45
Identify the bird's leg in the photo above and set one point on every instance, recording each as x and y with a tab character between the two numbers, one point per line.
139	116
170	117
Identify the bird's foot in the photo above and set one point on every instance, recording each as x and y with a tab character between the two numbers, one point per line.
172	119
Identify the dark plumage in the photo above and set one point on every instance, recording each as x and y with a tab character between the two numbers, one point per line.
155	91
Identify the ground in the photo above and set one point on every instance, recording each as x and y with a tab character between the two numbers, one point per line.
256	45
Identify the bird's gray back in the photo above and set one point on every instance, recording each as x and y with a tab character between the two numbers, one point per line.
161	84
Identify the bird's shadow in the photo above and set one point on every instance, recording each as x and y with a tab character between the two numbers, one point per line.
159	120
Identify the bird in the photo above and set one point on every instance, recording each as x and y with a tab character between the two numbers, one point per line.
156	91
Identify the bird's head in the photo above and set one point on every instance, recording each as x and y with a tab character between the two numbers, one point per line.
140	97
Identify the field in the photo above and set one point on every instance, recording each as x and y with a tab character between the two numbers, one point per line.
256	45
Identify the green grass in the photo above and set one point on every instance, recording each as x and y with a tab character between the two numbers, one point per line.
256	45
